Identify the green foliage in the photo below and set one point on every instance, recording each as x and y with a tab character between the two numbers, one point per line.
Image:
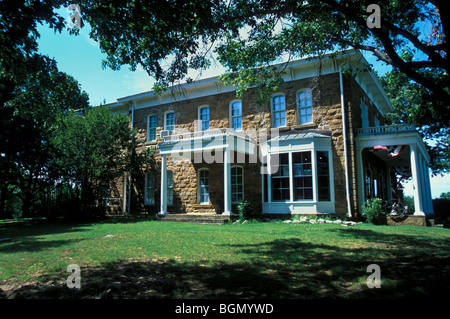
168	41
415	105
247	210
445	195
409	201
93	150
373	211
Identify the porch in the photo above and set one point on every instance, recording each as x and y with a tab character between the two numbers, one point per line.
387	152
206	147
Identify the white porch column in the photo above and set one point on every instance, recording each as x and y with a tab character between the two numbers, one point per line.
416	178
227	182
427	188
360	178
163	209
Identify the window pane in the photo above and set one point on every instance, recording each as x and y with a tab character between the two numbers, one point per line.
170	121
237	184
302	169
204	118
152	128
150	188
278	111
304	107
323	176
204	186
236	115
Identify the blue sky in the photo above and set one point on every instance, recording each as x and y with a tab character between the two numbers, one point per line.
80	57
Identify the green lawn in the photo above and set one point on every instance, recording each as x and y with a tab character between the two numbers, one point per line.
151	259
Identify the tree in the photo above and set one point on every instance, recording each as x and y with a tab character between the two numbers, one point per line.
32	94
93	150
445	195
414	104
29	117
168	39
186	32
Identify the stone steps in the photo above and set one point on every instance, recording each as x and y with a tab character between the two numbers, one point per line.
195	218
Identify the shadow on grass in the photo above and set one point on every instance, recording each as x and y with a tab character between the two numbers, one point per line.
282	268
25	234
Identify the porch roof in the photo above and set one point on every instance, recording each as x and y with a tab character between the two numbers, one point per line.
391	135
214	139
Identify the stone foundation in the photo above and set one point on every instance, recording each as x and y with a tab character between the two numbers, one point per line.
406	220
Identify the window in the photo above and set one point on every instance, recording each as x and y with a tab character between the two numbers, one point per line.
280	177
302	173
169	188
307	172
237	184
203	115
236	115
323	175
203	186
304	106
169	121
278	111
150	188
151	128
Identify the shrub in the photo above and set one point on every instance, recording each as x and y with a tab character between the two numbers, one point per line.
246	210
373	211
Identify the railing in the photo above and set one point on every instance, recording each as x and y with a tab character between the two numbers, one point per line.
388	129
202	134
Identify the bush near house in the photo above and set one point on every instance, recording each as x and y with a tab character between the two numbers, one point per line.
373	211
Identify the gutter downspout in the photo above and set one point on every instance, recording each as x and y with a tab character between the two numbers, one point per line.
131	154
344	132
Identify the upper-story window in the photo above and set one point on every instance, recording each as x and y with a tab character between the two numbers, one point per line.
151	128
203	116
169	121
236	115
278	111
304	106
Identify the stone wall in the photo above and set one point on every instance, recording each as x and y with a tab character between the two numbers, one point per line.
327	115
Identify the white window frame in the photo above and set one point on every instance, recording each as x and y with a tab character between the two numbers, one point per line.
166	128
200	121
307	107
273	112
235	116
151	128
199	189
315	198
236	184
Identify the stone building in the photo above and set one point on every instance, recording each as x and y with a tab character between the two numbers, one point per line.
319	146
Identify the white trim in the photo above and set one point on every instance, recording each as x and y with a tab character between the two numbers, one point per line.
308	206
344	133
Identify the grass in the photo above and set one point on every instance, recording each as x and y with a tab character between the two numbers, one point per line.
138	258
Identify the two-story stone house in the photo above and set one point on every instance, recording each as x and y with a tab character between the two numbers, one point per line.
319	146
